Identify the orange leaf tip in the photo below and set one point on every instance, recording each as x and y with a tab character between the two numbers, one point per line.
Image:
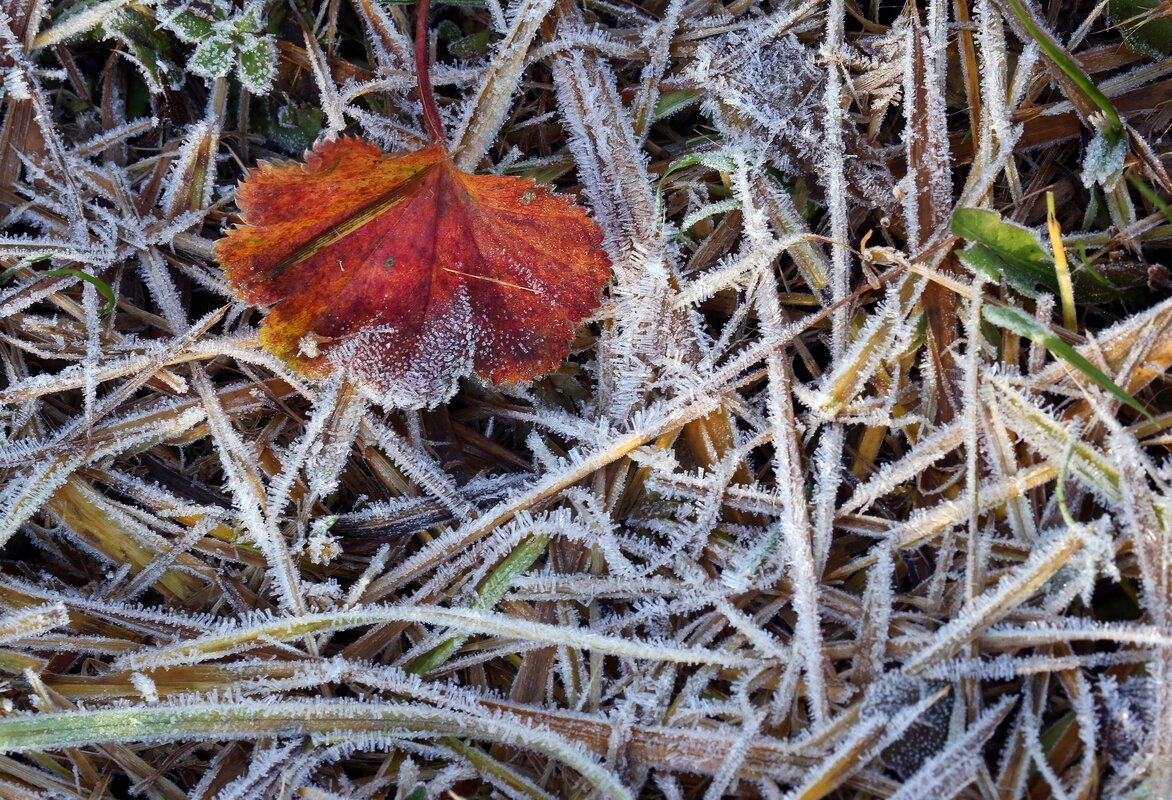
408	274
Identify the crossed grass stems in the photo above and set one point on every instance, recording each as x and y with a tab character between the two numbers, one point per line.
790	507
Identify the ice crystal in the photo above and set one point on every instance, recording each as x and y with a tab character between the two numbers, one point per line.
730	547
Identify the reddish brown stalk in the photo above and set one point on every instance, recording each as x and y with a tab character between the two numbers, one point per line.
431	115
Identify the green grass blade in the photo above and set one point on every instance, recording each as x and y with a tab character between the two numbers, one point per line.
1113	131
1150	195
97	283
487	596
1019	322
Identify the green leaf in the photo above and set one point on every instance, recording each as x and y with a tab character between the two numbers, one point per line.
295	128
1003	249
1019	322
713	160
1006	250
80	19
258	64
1113	128
150	47
515	564
187	25
212	57
1144	29
1150	194
712	209
250	20
673	101
473	46
487	596
448	31
98	283
28	261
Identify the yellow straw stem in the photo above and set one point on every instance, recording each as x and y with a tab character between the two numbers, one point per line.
1061	267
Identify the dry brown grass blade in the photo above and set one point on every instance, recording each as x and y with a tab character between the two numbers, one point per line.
929	179
19	133
100	526
736	545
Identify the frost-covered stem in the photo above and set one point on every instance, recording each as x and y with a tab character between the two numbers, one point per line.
268	630
12	51
246	486
431	115
835	178
794	522
483	117
829	456
975	572
334	721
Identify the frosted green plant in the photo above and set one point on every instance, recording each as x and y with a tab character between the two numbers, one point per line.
150	48
225	40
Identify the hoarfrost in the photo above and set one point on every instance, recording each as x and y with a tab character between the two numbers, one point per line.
752	554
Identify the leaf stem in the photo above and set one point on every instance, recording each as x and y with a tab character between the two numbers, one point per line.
431	115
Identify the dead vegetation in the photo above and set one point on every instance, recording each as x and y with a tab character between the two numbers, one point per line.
827	502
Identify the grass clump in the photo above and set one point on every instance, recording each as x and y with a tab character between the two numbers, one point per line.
812	510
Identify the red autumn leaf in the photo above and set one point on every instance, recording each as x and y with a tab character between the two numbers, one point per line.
408	273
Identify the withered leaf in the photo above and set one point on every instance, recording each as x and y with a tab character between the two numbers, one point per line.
408	273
